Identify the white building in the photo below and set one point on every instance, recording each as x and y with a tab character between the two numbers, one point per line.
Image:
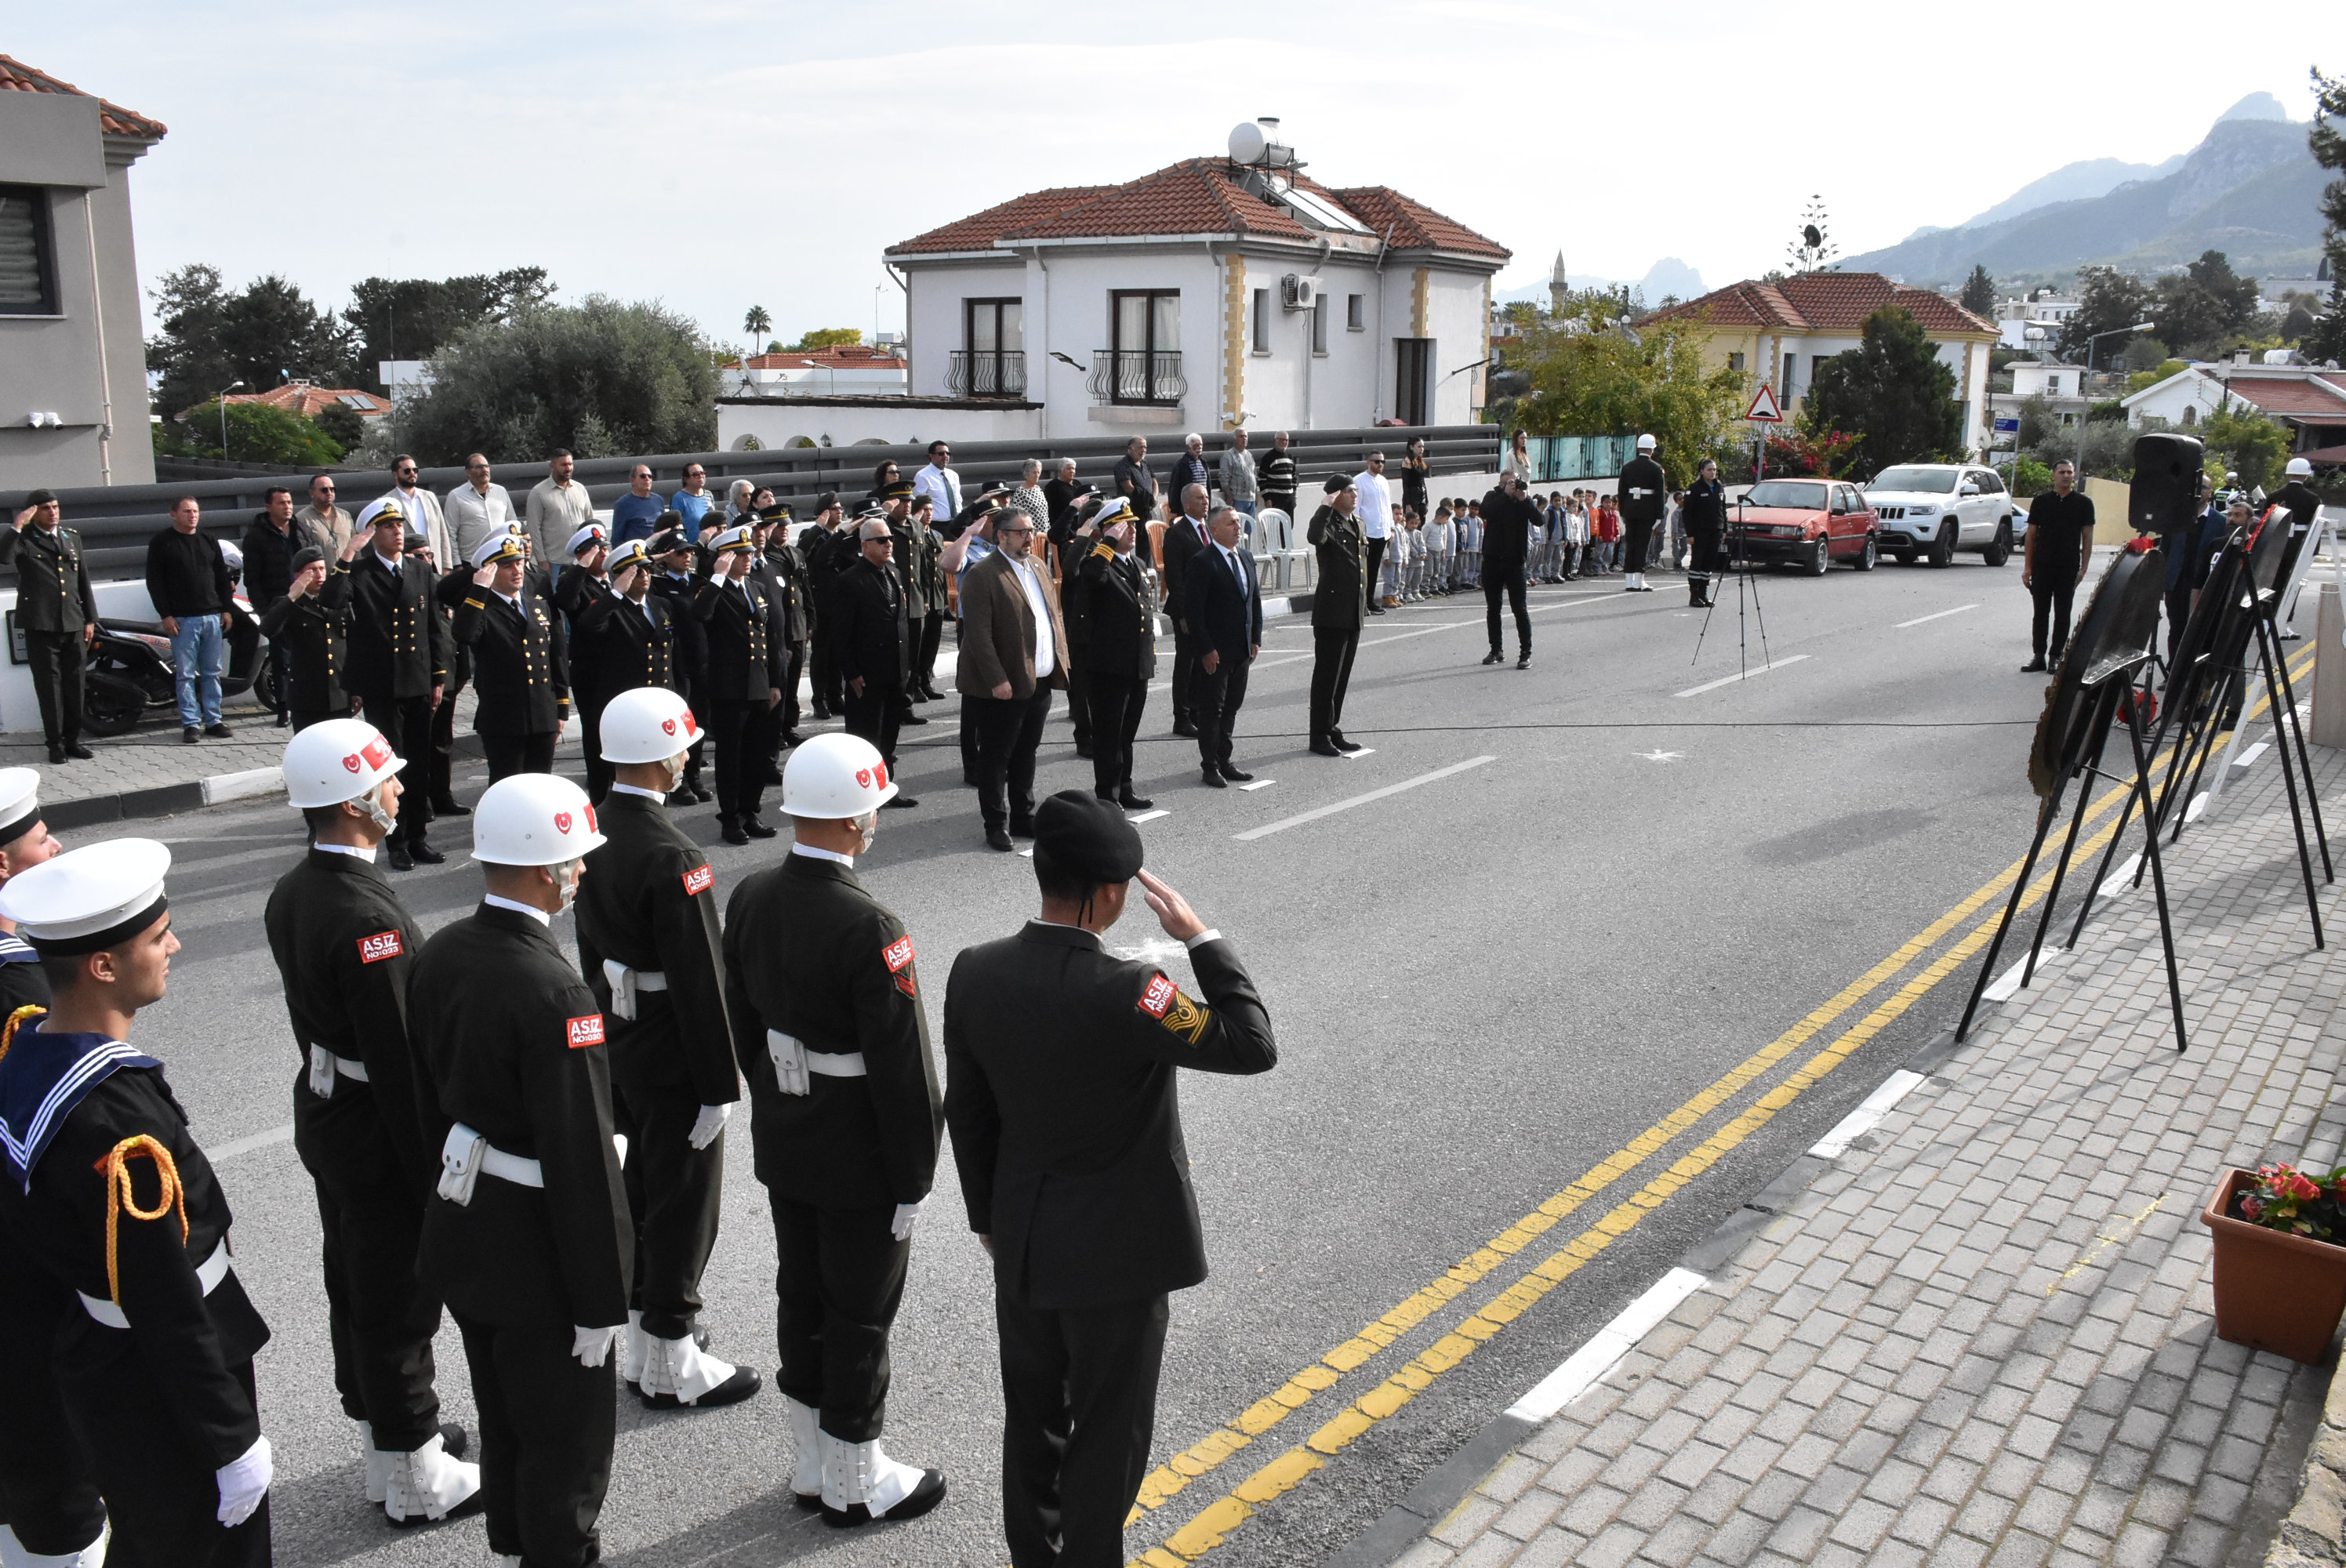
2310	404
848	369
2041	309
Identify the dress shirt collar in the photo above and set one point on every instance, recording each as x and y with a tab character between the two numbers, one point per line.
352	851
496	902
391	562
637	789
812	853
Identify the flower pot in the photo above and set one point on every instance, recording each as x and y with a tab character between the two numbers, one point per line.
2274	1291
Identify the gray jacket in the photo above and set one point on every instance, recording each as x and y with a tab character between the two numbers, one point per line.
1237	475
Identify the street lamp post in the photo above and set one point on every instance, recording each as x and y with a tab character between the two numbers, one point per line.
2097	337
222	400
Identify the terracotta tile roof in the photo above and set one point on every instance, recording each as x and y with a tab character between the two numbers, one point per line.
1416	227
981	229
843	357
1836	302
309	402
15	76
2324	456
2301	395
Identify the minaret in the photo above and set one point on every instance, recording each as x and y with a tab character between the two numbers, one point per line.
1557	286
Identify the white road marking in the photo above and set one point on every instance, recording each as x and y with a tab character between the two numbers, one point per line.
1745	674
1319	811
1657	755
1941	615
1355	756
1137	817
1587	1366
2120	878
235	1146
1260	784
2007	984
1860	1121
2246	757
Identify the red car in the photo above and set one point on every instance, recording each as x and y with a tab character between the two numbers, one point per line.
1806	522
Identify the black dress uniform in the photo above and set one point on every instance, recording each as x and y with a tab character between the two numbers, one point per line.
55	608
313	630
908	559
1120	661
1645	496
745	664
829	555
647	907
927	578
1703	514
396	651
154	1361
872	641
577	591
813	961
512	1045
519	672
794	600
345	947
1339	609
621	643
689	656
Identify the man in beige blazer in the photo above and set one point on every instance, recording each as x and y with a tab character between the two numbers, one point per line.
1014	652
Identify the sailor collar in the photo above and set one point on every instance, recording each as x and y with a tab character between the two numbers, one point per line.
43	1077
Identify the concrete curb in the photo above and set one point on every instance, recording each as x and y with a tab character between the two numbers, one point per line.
193	794
2313	1535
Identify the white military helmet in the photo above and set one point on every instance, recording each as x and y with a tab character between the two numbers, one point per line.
533	819
835	775
1644	443
2301	468
336	760
649	724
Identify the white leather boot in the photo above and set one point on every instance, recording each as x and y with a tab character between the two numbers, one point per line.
14	1555
428	1484
378	1463
631	1368
861	1483
679	1373
806	1475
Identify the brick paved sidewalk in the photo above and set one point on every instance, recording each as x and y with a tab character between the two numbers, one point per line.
1985	1333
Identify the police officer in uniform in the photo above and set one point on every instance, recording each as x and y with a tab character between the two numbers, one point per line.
923	569
103	1185
57	614
827	1027
673	584
1120	659
1061	1094
344	946
396	654
1644	495
905	531
1704	513
527	1235
872	641
2298	499
647	942
744	682
518	666
1339	609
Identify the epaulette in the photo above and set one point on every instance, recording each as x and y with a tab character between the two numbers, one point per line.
1105	549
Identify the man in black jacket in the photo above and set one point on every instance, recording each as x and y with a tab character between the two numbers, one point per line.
397	658
672	583
57	614
1224	609
271	540
1704	515
744	679
825	1000
520	675
871	639
188	580
1120	657
1507	522
627	638
795	600
1339	609
829	553
1061	1093
1185	536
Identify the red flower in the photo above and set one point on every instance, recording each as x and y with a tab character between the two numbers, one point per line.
2300	1187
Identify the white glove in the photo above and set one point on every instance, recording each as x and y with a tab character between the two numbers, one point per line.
592	1345
709	1124
906	1213
243	1483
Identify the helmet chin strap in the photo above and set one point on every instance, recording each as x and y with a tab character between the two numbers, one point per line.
373	802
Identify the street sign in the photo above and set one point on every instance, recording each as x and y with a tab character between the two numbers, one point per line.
2007	421
1763	409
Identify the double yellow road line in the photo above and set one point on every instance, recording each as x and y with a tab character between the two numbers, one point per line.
1210	1525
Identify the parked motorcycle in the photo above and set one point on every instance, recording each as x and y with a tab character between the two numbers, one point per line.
129	674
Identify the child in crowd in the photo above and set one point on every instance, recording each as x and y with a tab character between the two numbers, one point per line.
1576	538
1471	527
1442	550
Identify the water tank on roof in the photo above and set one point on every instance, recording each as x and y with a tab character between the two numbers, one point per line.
1256	142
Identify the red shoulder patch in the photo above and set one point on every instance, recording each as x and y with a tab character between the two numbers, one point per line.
1158	996
699	880
585	1032
897	953
383	944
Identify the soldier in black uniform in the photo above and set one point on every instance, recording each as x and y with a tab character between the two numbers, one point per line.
906	531
1060	1090
577	588
103	1185
57	614
621	640
672	583
519	670
2303	505
830	551
647	942
787	564
1644	495
1704	514
311	622
527	1235
396	659
1339	609
744	682
825	1004
1120	658
872	641
923	569
344	947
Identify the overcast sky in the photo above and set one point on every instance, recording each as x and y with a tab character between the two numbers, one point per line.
721	155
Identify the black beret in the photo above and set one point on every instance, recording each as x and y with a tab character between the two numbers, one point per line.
1087	836
415	541
1336	482
307	558
40	497
671	518
826	501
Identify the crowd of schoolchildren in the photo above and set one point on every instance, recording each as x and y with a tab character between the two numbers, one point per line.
1579	536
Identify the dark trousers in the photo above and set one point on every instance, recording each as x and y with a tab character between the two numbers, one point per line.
56	662
2179	616
793	669
46	1495
877	714
830	691
546	1429
280	671
1009	731
673	1192
1186	650
161	1490
838	1275
1376	565
738	731
1332	673
925	663
1219	695
2052	596
1115	702
590	743
1079	709
1078	1410
512	754
1706	554
1640	545
1508	578
303	721
379	1315
406	723
969	774
441	772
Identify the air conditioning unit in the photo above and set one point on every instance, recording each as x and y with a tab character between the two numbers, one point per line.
1299	293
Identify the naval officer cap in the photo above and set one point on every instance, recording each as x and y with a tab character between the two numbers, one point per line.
1087	836
20	803
503	547
634	553
378	512
741	538
670	542
90	899
590	534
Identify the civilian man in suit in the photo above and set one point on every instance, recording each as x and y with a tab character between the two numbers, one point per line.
57	614
1339	607
1225	615
1014	654
1120	659
871	642
1066	1130
1185	536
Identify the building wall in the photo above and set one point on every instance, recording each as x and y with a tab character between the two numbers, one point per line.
776	423
933	320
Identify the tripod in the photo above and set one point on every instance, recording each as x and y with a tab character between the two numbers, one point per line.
1746	602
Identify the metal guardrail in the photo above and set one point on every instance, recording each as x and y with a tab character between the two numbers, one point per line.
117	521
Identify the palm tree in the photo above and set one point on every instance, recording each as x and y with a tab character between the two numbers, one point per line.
756	324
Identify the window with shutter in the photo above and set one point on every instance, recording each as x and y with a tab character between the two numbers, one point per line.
27	269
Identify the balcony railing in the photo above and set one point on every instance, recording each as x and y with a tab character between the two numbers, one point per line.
987	372
1132	375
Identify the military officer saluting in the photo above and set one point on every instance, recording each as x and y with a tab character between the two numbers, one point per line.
744	682
648	942
527	1236
397	657
312	621
825	1005
1060	1065
1644	495
671	559
624	639
344	948
103	1185
57	613
518	669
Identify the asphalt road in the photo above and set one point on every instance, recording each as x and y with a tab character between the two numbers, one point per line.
1483	985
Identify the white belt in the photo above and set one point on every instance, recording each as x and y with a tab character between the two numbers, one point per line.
793	1062
208	1274
325	1067
626	982
467	1154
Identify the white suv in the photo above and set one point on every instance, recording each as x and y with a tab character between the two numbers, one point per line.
1934	509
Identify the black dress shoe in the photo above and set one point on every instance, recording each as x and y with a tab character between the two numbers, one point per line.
1185	730
1212	780
2034	667
57	754
77	751
793	738
284	721
189	734
908	716
898	803
1325	748
732	834
701	795
220	732
743	1383
1022	826
820	711
1344	745
424	854
399	859
926	1495
1234	776
757	830
997	839
449	806
1132	803
1524	662
935	694
452	1439
1494	656
1083	749
680	797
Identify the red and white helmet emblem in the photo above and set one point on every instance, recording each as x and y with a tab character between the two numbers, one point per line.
351	762
668	726
591	826
562	821
691	726
882	771
863	777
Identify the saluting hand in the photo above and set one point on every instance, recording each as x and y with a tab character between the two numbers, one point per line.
1172	910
